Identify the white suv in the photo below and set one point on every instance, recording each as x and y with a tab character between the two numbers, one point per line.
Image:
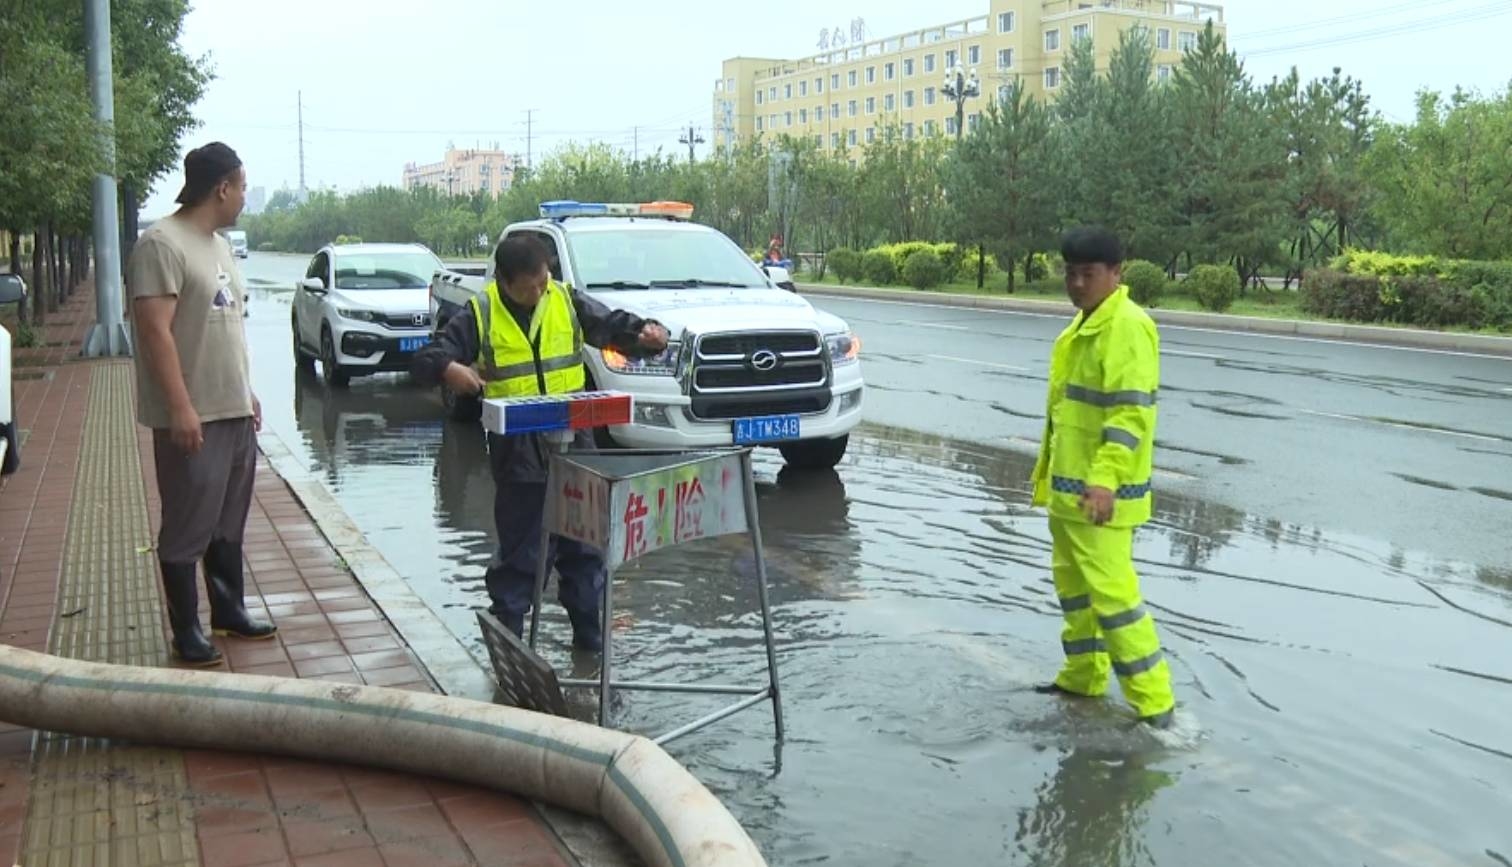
12	291
363	308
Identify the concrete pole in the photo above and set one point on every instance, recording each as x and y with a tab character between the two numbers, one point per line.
108	337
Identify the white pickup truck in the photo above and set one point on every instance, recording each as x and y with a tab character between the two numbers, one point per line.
749	363
12	291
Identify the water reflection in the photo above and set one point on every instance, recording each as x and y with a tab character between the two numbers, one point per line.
1092	811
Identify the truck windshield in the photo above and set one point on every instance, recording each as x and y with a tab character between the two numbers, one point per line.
638	258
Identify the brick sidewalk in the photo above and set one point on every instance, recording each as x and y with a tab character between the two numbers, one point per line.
76	526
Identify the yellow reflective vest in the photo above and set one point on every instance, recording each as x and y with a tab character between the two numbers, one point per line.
1100	418
548	360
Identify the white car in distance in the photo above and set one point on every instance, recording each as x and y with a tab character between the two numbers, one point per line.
362	309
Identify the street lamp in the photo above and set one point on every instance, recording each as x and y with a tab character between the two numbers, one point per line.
960	87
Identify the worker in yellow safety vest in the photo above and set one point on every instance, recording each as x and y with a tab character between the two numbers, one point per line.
524	336
1093	474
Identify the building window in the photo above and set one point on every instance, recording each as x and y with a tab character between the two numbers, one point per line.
929	96
1052	40
908	130
803	88
760	124
835	81
819	114
759	96
888	103
871	75
819	85
929	63
973	55
1187	41
772	93
771	121
787	119
889	71
908	67
803	115
1163	73
730	84
1080	32
1052	77
973	121
835	140
952	57
818	141
1005	22
850	108
850	138
835	110
871	105
929	127
850	78
787	91
1005	58
1003	92
1163	39
908	99
950	126
871	134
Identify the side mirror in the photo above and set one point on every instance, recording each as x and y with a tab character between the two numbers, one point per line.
312	284
778	274
12	288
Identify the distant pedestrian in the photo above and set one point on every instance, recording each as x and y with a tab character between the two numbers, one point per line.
194	391
1094	473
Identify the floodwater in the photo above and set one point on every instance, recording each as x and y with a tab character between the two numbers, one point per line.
1342	701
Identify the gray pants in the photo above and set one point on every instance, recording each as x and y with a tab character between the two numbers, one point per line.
205	495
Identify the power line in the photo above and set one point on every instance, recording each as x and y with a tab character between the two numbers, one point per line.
1341	19
1479	13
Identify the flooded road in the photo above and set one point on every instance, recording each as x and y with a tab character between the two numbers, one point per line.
1346	695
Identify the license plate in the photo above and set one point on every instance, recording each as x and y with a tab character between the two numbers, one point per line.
766	429
410	344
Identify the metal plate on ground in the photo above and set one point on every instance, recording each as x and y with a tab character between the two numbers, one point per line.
525	680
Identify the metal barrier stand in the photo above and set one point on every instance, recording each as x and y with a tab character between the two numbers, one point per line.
631	502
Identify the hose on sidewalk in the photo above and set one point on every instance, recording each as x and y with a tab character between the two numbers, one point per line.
646	796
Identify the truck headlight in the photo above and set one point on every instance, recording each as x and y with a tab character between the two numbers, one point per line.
844	348
361	315
663	363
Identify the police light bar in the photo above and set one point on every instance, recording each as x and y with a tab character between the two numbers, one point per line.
563	208
511	416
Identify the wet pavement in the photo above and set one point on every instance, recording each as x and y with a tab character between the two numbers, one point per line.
1341	637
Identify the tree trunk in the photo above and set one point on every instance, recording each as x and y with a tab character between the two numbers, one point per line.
1012	272
981	268
38	286
23	310
47	288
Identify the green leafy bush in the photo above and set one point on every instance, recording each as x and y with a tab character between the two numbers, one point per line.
846	264
878	269
1216	287
924	270
1146	281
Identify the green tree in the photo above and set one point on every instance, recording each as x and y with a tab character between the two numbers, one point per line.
1002	182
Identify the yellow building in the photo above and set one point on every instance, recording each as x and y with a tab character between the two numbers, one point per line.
844	96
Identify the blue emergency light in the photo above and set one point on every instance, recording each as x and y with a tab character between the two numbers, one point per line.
556	412
562	208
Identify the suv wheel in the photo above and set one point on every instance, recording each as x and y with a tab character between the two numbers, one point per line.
814	454
334	374
303	361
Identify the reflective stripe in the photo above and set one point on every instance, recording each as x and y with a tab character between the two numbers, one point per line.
1138	666
483	313
1122	619
1120	436
1075	603
1083	647
561	362
1063	485
1110	398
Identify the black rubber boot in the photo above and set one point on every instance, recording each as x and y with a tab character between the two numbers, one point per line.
226	584
587	631
190	646
1053	688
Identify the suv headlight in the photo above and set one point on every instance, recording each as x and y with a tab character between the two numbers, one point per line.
663	363
844	348
361	315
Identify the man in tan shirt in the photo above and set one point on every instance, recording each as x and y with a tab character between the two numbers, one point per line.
194	390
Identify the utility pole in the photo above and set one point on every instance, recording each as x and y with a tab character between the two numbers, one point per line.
108	337
302	194
635	150
529	138
691	138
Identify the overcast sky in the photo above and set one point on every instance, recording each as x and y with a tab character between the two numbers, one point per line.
385	82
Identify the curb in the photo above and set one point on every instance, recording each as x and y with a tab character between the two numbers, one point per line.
1409	338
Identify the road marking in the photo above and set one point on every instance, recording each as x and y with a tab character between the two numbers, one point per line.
938	325
1507	390
982	363
1229	331
1411	427
1193	354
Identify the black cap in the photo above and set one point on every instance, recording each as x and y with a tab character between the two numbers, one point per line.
204	167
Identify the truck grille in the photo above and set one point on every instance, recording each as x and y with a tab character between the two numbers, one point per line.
760	373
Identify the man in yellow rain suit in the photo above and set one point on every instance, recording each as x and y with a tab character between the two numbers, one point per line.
1093	474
